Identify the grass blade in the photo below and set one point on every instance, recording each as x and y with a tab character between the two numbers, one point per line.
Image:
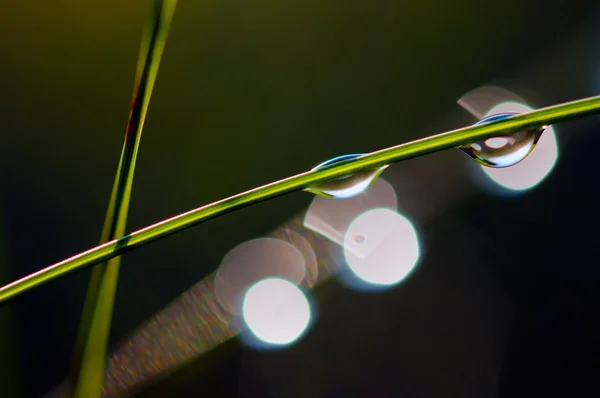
90	348
452	139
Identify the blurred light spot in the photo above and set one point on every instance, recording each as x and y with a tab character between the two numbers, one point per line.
534	168
252	261
478	102
276	311
381	247
310	258
331	218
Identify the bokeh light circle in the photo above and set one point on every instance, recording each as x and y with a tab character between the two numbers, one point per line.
276	311
299	242
252	261
332	218
381	247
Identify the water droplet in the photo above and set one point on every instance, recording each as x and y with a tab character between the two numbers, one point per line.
504	150
347	186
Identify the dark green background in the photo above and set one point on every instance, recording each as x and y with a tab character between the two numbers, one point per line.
248	92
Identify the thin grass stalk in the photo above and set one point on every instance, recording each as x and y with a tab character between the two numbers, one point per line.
452	139
85	379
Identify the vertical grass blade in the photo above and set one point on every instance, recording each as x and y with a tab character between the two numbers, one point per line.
85	380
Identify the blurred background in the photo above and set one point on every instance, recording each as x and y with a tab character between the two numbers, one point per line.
498	297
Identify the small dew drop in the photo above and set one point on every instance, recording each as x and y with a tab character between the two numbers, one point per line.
503	151
347	186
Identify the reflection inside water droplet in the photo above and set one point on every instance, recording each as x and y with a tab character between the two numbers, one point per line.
347	186
506	150
499	142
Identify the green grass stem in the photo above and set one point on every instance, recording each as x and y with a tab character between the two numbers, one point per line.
89	359
451	139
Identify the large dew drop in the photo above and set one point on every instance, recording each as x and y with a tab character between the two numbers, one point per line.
347	186
503	150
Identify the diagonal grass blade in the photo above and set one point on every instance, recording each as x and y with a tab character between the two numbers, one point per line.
451	139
